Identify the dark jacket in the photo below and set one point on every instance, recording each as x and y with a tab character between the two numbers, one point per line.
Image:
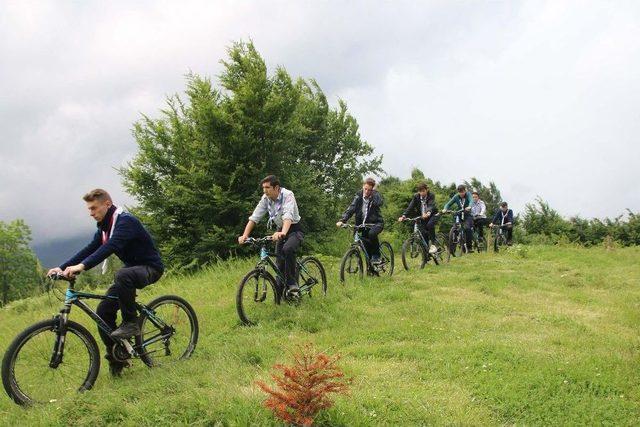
374	216
497	218
415	205
129	241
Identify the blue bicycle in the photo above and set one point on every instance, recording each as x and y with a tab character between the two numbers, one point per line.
54	358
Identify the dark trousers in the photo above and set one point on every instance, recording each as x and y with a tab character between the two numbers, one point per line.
371	241
427	228
467	224
126	281
286	256
478	224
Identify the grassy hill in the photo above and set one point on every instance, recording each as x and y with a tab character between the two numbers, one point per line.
541	335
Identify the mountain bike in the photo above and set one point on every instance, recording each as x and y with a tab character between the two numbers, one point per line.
478	241
415	251
53	358
499	236
456	243
260	292
356	258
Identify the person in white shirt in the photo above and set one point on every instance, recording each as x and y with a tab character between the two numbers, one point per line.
280	204
478	213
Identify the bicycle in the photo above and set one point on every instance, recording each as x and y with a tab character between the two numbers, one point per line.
256	285
479	242
352	264
53	358
457	243
499	236
415	248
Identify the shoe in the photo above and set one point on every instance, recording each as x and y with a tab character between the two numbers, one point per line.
433	249
293	292
126	330
115	366
376	260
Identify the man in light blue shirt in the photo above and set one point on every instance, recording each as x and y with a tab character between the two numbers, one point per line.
280	204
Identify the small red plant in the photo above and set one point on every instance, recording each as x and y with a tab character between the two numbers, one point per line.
302	389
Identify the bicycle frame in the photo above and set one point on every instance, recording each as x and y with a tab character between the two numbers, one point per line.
73	297
266	261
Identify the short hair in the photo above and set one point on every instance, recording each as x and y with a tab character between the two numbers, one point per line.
271	179
504	204
476	193
462	187
98	194
423	186
370	181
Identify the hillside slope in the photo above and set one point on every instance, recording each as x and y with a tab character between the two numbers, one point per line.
543	335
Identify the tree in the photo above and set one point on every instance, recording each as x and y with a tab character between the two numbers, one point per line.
196	174
20	273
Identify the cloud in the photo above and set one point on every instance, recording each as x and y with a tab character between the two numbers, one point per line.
536	96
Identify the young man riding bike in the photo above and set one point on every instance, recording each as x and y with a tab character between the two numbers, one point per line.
282	208
504	218
463	201
424	204
478	213
366	206
122	234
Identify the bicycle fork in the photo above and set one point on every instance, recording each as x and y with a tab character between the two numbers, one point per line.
61	334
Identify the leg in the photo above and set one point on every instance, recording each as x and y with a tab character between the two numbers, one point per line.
289	250
107	310
127	281
430	228
373	241
479	226
280	262
509	234
468	230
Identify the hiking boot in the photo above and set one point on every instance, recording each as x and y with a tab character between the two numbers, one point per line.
126	330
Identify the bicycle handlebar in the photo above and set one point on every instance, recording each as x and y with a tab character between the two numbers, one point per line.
58	276
358	227
257	240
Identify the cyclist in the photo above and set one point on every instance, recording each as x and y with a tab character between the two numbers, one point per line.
424	203
463	201
366	206
122	234
478	213
504	217
282	208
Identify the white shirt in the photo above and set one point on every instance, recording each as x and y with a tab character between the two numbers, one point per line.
284	207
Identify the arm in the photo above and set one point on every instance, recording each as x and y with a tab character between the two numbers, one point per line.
123	232
509	217
412	205
431	203
350	210
483	209
247	231
85	252
453	200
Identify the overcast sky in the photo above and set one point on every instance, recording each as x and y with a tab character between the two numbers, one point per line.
540	97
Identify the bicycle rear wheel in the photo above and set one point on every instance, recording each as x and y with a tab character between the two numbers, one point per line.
257	297
388	260
27	375
169	331
414	256
351	266
312	274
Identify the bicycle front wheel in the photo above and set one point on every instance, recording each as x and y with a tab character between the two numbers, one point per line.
454	244
27	374
257	297
414	256
312	274
351	266
169	331
387	258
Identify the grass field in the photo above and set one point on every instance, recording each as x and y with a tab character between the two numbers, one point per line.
540	335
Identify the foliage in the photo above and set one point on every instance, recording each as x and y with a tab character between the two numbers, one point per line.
303	388
19	268
197	171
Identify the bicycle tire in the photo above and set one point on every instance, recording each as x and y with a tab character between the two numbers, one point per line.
323	274
11	384
146	356
243	285
389	257
351	252
407	247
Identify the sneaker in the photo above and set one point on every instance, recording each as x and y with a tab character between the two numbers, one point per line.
433	249
376	260
126	330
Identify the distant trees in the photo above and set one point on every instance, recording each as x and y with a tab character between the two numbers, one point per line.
20	273
196	174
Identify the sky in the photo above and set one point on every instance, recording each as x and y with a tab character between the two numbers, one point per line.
541	97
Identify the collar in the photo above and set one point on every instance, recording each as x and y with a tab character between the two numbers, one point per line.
105	224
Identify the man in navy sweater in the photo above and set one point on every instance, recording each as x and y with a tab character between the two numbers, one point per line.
504	218
122	234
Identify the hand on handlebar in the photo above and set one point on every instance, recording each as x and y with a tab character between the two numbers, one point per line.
54	271
402	218
339	224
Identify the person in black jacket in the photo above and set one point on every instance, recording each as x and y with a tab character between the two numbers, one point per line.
504	218
423	203
366	206
122	234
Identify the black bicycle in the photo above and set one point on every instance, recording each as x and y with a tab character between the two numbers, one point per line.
415	251
356	257
478	241
499	237
456	243
259	292
54	358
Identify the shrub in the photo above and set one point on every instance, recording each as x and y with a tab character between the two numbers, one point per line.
302	389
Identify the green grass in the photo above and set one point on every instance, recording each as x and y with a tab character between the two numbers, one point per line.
540	335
